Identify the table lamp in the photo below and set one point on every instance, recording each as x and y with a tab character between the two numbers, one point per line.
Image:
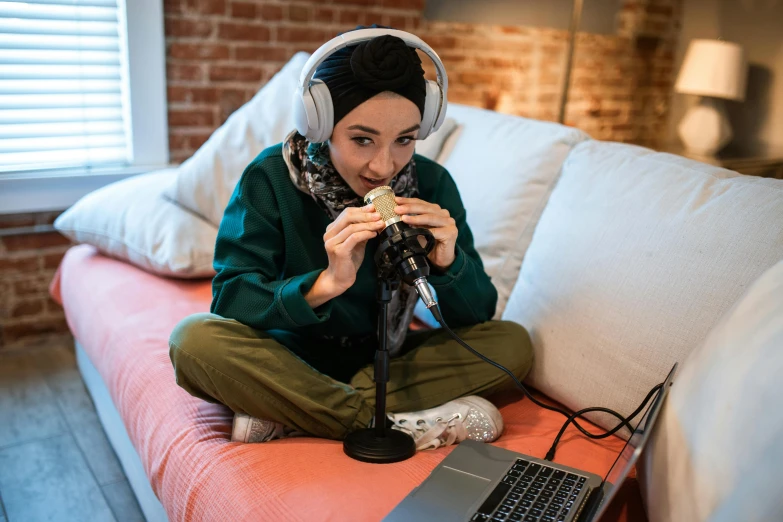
714	70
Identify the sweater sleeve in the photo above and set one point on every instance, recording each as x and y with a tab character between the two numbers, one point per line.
249	256
465	293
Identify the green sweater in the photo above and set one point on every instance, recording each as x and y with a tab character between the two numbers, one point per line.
270	250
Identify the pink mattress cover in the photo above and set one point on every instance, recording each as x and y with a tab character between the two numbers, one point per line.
123	315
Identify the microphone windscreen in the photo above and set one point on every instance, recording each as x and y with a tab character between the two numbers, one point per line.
382	198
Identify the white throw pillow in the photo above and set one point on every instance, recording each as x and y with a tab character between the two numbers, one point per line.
432	146
449	143
505	167
207	179
716	451
131	220
634	260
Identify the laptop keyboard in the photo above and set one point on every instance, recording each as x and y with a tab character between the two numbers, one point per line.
532	492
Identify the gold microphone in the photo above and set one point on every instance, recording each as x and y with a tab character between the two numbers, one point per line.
382	198
401	245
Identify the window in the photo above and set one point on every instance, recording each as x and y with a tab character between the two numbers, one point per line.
82	94
61	100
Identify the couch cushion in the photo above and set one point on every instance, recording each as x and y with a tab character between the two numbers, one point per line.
123	316
207	179
636	257
716	453
131	220
505	168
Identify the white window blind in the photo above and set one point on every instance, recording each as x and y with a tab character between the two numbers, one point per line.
62	86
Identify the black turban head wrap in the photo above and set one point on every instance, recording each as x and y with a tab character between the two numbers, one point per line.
356	73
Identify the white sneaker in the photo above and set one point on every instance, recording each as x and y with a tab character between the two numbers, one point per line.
470	417
251	429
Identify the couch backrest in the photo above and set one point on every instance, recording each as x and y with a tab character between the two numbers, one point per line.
505	167
635	258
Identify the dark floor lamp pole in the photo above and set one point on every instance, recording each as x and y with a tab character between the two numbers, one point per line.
576	16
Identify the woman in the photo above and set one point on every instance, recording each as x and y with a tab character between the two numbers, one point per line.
290	340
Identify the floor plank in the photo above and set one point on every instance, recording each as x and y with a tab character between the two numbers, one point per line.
123	502
58	365
49	480
28	409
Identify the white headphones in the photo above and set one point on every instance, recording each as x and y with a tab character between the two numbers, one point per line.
312	103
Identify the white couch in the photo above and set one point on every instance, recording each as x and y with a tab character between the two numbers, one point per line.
617	259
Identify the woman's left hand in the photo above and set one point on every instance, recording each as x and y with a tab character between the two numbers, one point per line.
438	221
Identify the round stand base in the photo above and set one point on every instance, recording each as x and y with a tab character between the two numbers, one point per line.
365	445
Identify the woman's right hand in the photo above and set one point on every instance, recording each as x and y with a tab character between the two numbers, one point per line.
345	241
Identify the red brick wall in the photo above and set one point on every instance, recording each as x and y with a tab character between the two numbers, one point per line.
620	84
27	264
220	52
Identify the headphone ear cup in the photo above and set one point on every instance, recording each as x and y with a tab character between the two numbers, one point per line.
303	111
431	119
444	105
322	100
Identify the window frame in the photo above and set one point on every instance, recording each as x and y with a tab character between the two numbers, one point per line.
147	122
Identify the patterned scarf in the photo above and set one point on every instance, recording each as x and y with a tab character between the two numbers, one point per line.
312	172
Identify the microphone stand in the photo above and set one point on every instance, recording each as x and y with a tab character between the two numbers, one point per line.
399	256
380	445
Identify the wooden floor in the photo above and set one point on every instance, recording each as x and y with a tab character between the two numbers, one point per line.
55	461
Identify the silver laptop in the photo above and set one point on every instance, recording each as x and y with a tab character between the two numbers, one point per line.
481	482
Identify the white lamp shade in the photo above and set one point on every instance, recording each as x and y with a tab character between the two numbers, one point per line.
713	68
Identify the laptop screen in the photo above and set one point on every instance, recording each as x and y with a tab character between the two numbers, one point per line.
633	448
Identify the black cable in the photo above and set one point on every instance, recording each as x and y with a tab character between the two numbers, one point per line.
550	455
435	311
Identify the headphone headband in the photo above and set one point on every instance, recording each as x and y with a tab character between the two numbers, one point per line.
312	101
362	35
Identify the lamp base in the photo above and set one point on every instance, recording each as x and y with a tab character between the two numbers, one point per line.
365	445
705	128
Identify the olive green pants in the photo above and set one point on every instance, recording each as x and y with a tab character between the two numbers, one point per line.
223	361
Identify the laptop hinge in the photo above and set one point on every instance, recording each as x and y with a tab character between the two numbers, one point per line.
589	505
